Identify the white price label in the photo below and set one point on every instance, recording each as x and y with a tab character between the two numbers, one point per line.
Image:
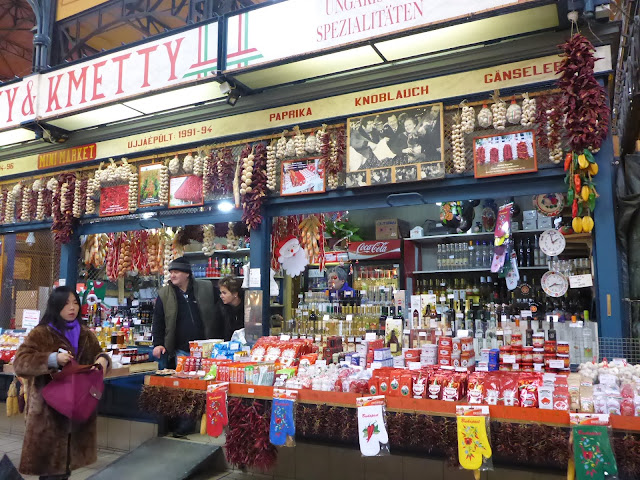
318	338
285	338
450	296
556	363
509	359
349	318
581	281
137	321
443	299
577	324
350	339
370	336
250	390
325	317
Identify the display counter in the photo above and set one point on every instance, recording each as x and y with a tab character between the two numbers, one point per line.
526	437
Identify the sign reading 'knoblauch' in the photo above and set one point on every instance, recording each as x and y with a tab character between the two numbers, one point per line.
84	153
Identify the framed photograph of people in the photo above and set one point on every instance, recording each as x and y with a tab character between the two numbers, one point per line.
505	154
403	145
299	177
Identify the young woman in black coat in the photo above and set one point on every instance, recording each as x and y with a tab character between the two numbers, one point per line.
230	311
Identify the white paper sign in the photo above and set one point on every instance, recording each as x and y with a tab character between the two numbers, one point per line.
581	281
254	278
30	318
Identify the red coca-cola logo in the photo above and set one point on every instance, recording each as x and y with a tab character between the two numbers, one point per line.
372	248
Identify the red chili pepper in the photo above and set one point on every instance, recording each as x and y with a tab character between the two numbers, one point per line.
567	161
577	182
369	432
574	208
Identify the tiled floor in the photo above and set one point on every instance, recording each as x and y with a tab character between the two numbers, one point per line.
11	445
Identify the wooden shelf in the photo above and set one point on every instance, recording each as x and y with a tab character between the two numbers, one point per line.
452	237
218	252
472	270
216	278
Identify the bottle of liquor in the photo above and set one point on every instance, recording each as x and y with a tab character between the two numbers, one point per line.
537	253
529	333
551	334
520	252
530	261
468	324
433	317
394	343
439	257
478	262
416	318
470	255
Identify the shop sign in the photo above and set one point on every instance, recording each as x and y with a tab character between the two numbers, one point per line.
114	200
58	158
350	104
314	25
18	102
155	65
375	250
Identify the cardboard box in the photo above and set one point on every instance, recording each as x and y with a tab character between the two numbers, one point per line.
530	224
545	222
391	229
529	215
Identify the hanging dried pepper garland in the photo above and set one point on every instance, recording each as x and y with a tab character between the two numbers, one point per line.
222	170
584	102
254	198
62	226
334	163
248	438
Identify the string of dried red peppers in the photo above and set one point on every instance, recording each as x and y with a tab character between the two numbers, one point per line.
584	102
62	211
253	200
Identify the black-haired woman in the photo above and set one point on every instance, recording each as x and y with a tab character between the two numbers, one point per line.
54	446
231	309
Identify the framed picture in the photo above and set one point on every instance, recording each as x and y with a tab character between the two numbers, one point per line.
506	154
114	200
399	145
299	177
185	191
149	185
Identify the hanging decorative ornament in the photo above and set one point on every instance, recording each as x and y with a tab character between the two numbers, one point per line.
485	117
514	112
292	256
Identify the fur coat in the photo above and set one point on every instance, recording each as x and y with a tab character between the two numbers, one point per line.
48	434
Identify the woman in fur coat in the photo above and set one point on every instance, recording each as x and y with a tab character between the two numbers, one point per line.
53	446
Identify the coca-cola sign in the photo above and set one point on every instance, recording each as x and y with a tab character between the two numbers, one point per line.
375	249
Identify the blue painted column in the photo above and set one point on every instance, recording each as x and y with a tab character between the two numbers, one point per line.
260	256
69	257
606	256
6	301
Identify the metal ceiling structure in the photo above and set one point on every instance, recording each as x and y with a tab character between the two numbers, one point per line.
16	38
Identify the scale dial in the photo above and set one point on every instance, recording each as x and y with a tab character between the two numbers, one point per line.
554	284
552	242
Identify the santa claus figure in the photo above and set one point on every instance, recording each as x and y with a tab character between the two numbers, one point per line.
292	257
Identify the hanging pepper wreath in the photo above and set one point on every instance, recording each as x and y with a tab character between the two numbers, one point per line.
584	102
256	194
62	211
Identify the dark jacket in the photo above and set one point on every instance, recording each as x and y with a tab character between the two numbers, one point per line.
177	320
230	319
44	450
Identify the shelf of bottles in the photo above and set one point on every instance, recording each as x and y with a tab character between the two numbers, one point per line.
122	326
215	268
495	325
375	280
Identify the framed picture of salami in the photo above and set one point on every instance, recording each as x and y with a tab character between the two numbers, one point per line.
394	146
299	177
185	191
114	200
149	181
506	154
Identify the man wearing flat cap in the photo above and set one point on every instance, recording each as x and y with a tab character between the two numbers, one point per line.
184	311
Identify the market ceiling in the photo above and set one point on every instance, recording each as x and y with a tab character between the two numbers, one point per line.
16	39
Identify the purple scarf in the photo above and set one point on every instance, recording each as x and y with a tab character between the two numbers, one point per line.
72	332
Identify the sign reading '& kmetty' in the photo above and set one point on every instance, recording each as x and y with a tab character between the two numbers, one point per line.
174	60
